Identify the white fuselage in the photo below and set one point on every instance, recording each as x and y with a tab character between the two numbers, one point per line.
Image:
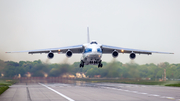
92	54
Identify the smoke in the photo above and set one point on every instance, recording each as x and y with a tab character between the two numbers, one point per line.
65	61
132	61
47	61
113	60
112	63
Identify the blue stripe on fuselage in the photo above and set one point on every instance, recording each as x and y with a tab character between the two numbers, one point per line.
99	50
87	50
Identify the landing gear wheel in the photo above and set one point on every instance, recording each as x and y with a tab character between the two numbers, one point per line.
100	64
82	64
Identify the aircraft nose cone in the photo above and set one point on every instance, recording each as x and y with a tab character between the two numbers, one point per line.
94	50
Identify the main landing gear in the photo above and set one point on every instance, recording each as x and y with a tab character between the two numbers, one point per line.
81	64
100	64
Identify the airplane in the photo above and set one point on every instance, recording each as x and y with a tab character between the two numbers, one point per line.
91	52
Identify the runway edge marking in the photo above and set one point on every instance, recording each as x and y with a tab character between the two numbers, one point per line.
57	92
137	92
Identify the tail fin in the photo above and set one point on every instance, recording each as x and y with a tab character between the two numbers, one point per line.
88	39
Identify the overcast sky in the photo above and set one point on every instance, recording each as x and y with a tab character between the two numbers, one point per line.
139	24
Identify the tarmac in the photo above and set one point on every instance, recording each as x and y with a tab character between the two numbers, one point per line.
82	91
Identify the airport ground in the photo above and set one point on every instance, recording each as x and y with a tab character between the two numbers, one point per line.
70	90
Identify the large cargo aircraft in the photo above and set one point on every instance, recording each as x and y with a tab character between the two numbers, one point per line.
91	52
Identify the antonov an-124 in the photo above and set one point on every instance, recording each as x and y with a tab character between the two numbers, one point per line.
91	52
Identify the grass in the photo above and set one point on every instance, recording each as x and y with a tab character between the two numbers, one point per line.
173	85
130	81
3	88
4	85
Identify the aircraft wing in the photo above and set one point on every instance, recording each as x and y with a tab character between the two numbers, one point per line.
74	49
110	49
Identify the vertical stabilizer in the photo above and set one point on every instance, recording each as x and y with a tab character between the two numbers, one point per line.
88	39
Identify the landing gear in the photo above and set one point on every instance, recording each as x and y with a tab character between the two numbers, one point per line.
81	64
100	64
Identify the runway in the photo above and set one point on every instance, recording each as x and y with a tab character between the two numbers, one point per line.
89	92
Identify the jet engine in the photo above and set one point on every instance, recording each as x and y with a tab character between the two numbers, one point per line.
115	53
50	55
69	53
132	56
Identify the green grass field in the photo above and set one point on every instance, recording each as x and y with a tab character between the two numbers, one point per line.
129	81
174	85
3	88
4	85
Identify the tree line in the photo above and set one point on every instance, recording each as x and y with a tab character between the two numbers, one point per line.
114	69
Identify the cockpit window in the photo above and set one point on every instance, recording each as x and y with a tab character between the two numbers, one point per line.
88	50
93	42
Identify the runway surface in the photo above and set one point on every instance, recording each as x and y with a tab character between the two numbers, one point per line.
89	92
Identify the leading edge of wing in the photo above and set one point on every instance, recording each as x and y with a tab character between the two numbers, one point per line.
48	49
133	50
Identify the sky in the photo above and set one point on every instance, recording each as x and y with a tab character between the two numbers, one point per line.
139	24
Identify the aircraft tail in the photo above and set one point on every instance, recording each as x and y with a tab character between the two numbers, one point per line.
88	38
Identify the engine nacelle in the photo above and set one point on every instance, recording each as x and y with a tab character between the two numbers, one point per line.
132	56
115	53
69	53
50	55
